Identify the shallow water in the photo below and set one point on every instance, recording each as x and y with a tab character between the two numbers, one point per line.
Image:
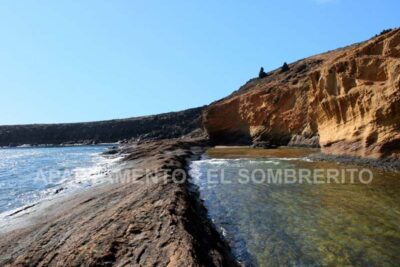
300	224
28	175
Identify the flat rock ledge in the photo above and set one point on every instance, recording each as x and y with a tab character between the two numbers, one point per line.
134	223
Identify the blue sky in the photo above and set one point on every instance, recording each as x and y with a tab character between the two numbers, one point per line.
68	61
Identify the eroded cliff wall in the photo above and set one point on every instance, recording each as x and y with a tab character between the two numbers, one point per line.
346	101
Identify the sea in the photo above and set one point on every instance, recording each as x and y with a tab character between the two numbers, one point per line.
29	175
328	222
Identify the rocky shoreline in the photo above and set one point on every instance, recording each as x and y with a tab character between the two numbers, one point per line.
386	164
143	222
139	219
149	219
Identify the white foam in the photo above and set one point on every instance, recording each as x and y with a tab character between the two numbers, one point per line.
233	162
82	178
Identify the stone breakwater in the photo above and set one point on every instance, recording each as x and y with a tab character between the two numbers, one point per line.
130	224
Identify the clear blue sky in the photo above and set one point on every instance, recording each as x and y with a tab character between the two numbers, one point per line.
80	60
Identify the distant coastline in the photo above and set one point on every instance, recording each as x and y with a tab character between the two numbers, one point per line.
161	126
60	145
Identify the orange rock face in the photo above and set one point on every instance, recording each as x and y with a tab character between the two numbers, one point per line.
346	101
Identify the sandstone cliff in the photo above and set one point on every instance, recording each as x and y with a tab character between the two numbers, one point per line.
346	101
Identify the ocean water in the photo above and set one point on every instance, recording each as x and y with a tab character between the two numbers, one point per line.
300	224
29	175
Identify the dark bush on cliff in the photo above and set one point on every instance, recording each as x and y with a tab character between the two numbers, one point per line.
386	31
262	73
285	67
